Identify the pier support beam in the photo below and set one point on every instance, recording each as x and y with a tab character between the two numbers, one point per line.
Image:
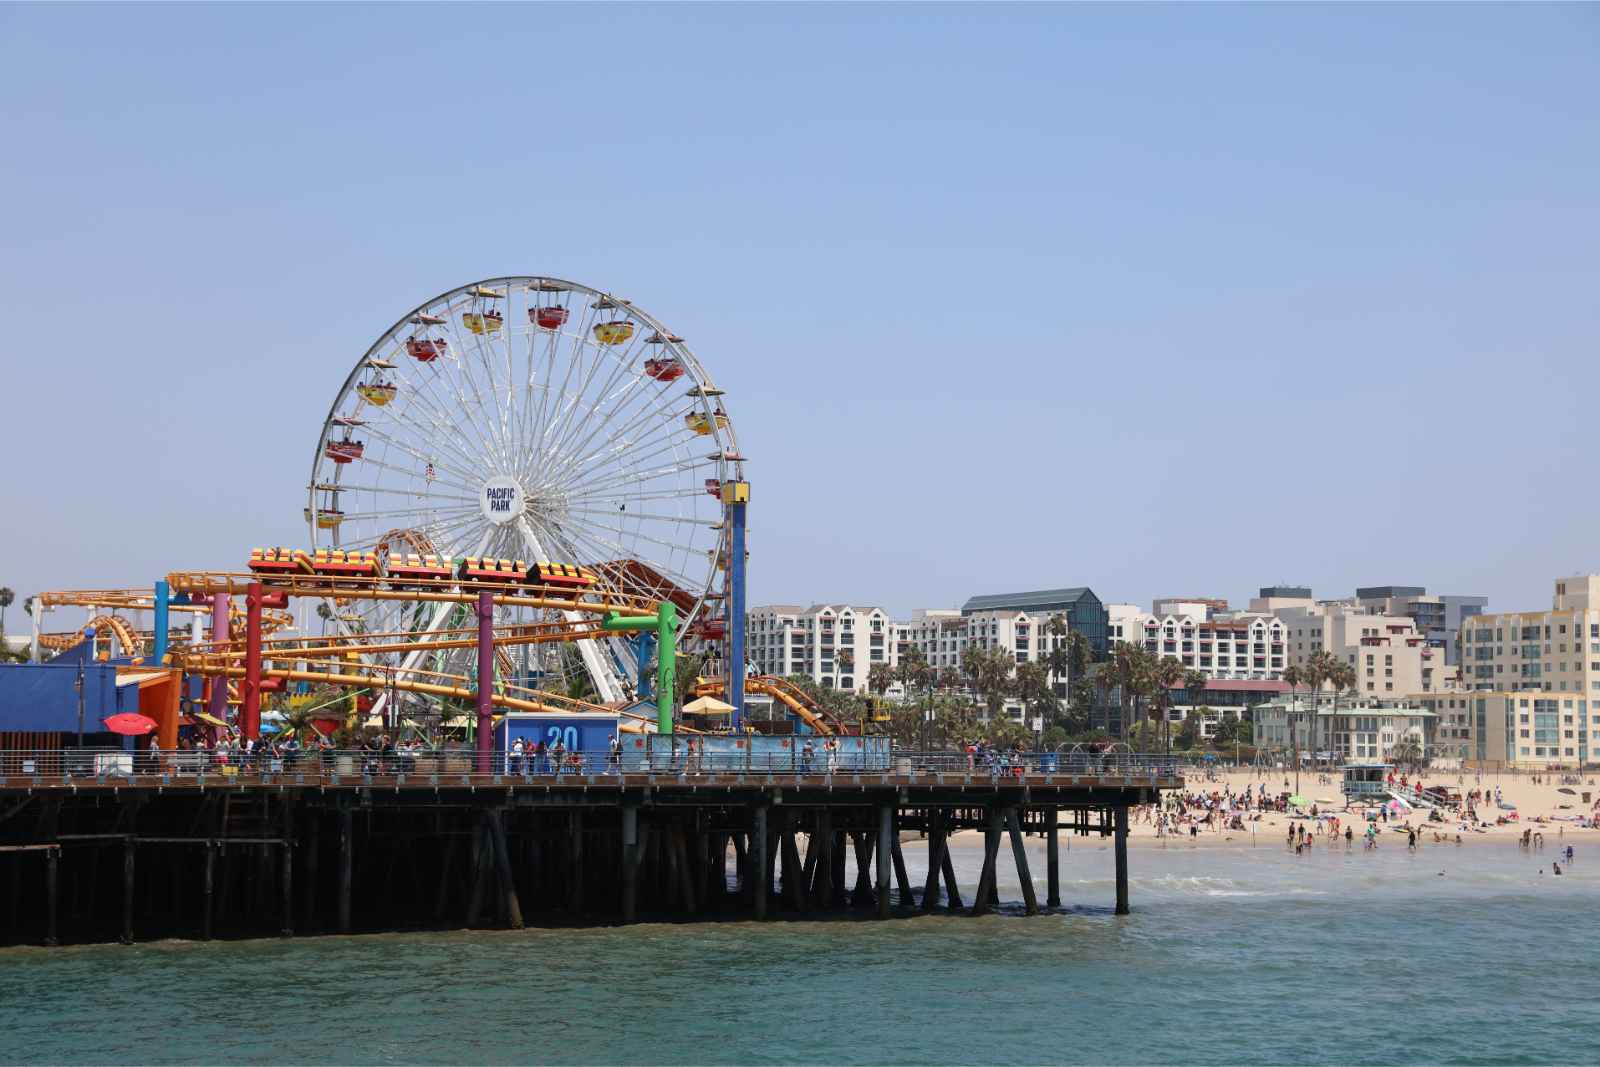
127	889
760	867
986	892
346	865
208	905
1122	859
930	885
502	867
630	863
1020	853
1052	859
52	874
885	833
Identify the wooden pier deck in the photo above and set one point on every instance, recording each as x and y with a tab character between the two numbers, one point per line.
126	856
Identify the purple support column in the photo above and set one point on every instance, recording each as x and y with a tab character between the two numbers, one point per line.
485	680
219	637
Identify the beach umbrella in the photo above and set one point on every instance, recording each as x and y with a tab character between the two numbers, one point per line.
1298	800
708	706
130	724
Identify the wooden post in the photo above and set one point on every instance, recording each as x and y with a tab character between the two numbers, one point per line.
930	885
901	879
885	832
52	861
952	892
1122	859
836	856
446	864
346	869
793	876
630	863
991	849
759	864
127	889
861	895
680	848
1052	859
575	884
502	864
309	890
480	864
288	868
1019	852
209	906
824	841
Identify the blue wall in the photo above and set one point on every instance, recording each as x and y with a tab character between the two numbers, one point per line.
43	696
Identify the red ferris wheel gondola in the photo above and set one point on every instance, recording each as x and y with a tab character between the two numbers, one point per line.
424	350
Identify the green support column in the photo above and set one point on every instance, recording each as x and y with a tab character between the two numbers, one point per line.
665	625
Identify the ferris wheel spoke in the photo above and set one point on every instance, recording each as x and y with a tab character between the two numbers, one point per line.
448	434
469	408
417	454
632	484
604	397
574	444
652	516
619	441
391	491
606	546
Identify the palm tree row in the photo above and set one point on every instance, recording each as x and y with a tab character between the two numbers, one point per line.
1322	668
1139	675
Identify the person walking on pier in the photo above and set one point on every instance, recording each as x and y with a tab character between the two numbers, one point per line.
614	757
517	749
831	748
805	757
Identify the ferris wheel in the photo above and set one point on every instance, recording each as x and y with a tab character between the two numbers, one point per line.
536	419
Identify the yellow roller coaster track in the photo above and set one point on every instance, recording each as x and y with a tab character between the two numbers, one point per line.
507	595
790	695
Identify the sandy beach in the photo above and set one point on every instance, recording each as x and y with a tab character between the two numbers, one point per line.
1541	808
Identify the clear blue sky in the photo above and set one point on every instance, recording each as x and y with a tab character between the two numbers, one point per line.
1157	299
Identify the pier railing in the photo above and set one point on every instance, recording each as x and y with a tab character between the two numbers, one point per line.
655	756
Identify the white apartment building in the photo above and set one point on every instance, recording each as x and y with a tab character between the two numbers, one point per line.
943	635
835	645
1243	647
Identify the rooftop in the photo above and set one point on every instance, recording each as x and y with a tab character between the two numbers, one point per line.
1038	599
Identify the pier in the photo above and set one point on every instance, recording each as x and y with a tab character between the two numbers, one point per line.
135	853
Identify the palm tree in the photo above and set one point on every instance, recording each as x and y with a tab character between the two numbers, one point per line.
7	595
1166	674
1058	659
1127	671
1194	682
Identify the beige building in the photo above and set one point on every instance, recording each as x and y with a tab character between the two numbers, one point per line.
1392	659
1364	731
1556	651
1531	729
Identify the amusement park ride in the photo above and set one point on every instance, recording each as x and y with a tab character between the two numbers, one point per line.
525	489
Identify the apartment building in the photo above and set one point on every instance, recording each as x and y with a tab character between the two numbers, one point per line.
1391	657
1530	729
943	636
1363	731
1083	610
1245	647
1554	651
1438	617
833	644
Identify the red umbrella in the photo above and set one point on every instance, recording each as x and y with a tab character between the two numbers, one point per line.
130	723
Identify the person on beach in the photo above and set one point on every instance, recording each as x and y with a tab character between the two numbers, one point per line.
1349	838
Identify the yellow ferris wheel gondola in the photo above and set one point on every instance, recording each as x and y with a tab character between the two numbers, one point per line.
481	322
613	333
700	424
377	394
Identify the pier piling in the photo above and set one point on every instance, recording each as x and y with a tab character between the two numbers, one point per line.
759	862
885	832
1122	858
1019	852
1052	861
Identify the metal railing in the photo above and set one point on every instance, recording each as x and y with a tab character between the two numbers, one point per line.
654	757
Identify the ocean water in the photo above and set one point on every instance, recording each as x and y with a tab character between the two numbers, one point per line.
1233	955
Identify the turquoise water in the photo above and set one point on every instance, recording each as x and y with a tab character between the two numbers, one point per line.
1231	956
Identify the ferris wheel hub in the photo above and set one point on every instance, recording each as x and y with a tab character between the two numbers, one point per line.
501	500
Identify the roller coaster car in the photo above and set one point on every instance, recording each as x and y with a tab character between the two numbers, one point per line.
337	563
560	576
614	332
484	569
414	569
664	370
425	351
279	562
326	518
378	394
483	321
344	451
550	318
697	421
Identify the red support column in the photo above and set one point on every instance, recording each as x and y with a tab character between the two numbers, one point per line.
250	687
217	686
485	681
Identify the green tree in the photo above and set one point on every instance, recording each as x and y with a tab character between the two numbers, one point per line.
989	671
7	595
1058	655
1128	672
880	676
1166	674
